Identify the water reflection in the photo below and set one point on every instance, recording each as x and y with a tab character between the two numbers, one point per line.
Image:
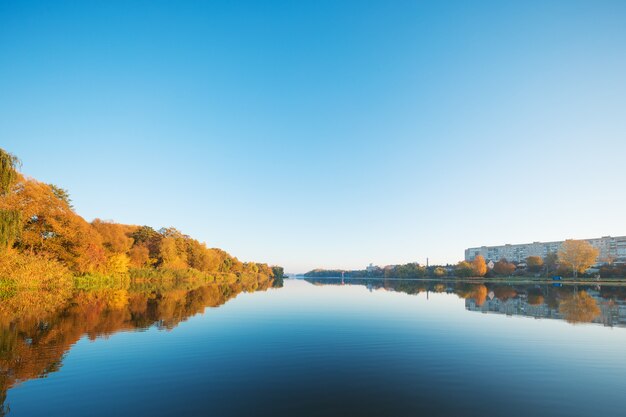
37	328
576	304
313	342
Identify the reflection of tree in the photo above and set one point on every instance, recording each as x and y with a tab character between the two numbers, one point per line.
535	299
33	345
580	307
504	293
574	306
439	288
479	294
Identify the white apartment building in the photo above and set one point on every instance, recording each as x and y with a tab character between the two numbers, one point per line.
613	248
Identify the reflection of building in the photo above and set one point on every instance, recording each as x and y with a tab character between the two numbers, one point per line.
612	312
609	247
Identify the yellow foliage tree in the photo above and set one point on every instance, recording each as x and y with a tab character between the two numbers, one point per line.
20	271
118	264
578	255
171	256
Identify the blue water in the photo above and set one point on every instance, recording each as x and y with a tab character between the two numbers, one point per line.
334	350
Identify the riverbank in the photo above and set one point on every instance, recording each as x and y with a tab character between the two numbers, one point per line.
483	280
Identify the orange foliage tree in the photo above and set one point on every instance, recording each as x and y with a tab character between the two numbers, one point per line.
37	220
503	267
479	266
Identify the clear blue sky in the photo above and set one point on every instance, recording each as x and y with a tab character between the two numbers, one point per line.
326	133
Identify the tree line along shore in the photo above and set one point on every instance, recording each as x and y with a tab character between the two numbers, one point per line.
44	242
577	259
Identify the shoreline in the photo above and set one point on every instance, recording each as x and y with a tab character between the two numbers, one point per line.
481	280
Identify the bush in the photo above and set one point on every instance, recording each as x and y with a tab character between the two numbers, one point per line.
31	285
20	271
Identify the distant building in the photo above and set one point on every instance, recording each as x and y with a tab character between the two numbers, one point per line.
613	248
371	267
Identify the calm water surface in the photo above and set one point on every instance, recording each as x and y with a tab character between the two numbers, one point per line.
323	348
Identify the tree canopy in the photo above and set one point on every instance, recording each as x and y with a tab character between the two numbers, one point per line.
578	255
38	221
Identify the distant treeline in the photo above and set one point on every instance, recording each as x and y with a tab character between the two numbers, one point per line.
577	258
43	240
410	270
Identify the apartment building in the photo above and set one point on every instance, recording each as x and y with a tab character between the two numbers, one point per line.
611	248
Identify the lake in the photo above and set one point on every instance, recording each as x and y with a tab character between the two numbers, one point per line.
323	347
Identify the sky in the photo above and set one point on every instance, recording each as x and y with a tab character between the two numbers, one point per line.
325	133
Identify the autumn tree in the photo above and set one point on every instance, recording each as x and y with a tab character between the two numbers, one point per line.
534	263
198	256
149	237
39	225
577	255
171	257
139	256
114	237
51	227
504	267
479	266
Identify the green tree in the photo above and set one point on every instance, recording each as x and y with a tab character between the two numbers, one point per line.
10	227
8	171
62	194
439	272
551	262
10	219
464	269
